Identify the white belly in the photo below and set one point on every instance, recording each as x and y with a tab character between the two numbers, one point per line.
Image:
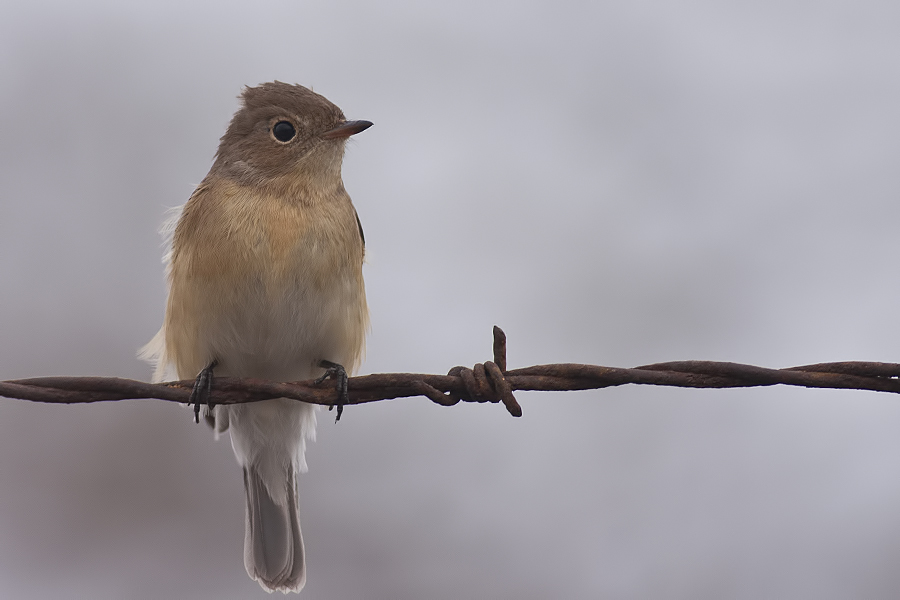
281	330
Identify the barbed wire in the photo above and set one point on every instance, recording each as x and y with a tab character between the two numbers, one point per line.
485	382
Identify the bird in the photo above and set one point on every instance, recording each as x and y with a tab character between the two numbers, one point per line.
264	274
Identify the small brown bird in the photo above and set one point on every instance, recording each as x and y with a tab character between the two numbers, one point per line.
265	281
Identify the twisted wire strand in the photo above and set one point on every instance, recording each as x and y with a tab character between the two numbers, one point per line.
485	382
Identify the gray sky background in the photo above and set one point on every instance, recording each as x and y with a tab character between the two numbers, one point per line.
614	183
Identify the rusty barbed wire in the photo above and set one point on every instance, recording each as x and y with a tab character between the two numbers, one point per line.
485	382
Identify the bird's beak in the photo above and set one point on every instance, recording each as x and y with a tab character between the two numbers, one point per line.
346	129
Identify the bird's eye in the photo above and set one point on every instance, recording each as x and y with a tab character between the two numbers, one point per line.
283	131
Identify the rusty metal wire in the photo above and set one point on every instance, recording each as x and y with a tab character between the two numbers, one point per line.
487	382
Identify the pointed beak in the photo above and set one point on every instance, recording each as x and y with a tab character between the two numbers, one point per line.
345	130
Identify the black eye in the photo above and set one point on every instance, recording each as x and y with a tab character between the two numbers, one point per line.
283	131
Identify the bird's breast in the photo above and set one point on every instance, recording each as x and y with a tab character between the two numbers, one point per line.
270	286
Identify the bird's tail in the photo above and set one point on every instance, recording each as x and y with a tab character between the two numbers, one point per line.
273	545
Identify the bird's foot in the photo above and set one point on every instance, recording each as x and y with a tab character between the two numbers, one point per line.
339	373
202	387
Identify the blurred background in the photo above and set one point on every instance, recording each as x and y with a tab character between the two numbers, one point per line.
616	183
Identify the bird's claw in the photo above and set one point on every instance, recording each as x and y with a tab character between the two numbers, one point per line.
339	373
200	393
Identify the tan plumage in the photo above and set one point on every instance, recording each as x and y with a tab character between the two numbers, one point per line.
265	277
